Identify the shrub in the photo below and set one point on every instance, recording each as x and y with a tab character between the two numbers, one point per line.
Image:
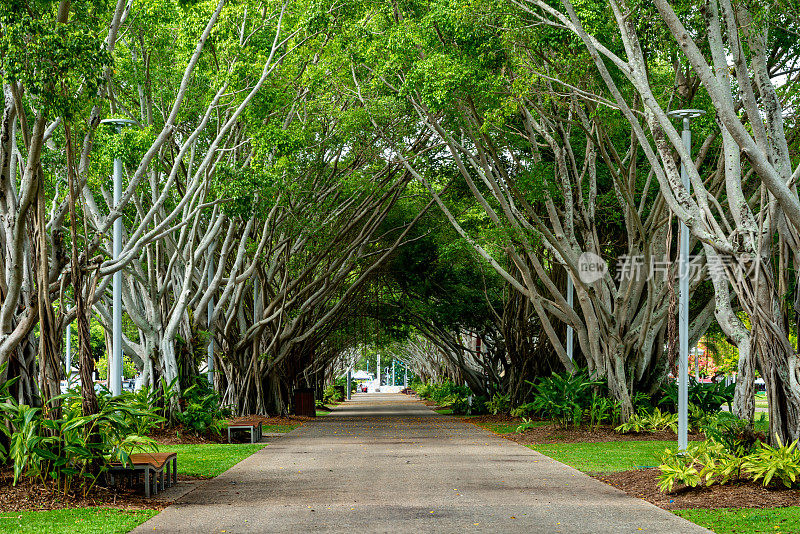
74	449
563	398
781	462
499	403
602	410
201	412
523	410
713	463
331	394
649	422
470	405
736	435
707	397
526	424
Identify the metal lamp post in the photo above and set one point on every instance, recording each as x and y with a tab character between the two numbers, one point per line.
115	365
69	355
209	315
569	327
683	302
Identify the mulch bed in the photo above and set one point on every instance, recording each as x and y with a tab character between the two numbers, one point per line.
36	496
643	483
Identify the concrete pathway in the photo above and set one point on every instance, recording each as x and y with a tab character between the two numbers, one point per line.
386	463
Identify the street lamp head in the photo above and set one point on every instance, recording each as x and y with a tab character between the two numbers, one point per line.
686	113
118	124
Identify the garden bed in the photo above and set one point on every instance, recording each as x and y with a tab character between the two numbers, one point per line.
643	483
36	496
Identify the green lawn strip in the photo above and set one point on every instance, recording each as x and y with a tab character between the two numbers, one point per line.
320	413
444	411
278	428
74	521
745	520
208	460
609	456
508	428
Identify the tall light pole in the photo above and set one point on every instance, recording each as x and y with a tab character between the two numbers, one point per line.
115	365
569	327
69	355
209	315
683	285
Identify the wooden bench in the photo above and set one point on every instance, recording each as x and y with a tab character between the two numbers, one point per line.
155	464
251	425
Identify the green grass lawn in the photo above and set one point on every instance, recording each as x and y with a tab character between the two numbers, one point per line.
210	459
607	457
746	520
74	521
444	411
508	428
278	428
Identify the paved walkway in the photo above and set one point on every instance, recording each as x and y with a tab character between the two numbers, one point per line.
386	463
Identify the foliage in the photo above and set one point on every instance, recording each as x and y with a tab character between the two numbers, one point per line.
471	405
562	398
523	410
603	410
767	463
707	397
736	435
654	421
75	449
527	424
499	403
713	462
331	394
201	413
676	470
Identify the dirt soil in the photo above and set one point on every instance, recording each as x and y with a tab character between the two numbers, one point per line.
642	483
37	496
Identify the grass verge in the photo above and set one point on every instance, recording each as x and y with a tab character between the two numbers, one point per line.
74	521
278	428
208	460
607	457
746	520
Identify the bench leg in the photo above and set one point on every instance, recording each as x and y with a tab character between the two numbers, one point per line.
175	470
229	435
146	482
252	434
161	479
155	482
